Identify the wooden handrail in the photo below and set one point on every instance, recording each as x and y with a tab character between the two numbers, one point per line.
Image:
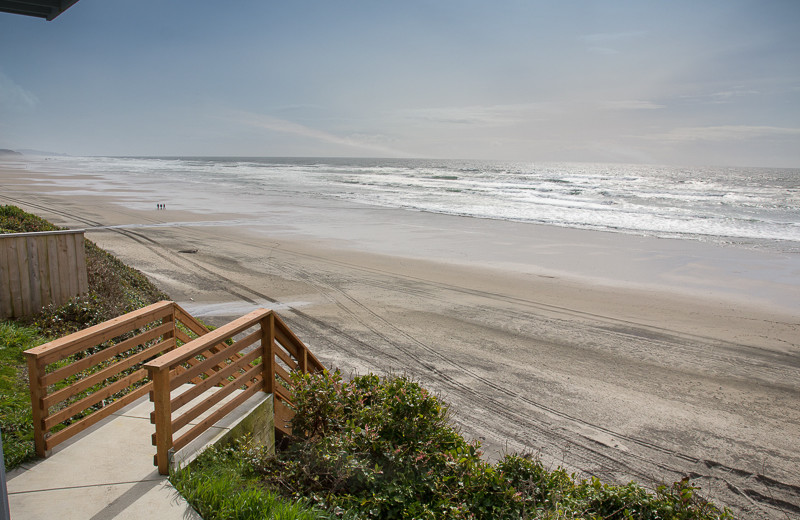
149	350
64	347
249	365
110	352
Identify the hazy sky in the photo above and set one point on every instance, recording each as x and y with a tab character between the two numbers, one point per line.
678	82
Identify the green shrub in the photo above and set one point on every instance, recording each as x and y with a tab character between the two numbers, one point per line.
384	448
14	220
76	314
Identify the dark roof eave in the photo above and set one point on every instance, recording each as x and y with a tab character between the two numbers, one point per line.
48	9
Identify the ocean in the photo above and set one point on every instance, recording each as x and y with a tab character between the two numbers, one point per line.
756	208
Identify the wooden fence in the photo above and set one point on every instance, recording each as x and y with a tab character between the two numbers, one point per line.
258	361
37	269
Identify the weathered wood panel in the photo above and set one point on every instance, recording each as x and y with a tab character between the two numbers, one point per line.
5	282
37	269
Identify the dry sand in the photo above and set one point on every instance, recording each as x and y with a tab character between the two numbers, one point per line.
611	355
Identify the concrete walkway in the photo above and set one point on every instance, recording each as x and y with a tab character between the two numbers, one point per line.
104	472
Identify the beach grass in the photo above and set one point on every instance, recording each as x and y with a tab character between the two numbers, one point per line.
16	421
221	484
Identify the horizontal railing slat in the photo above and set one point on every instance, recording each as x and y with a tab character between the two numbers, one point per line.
286	342
193	361
93	399
211	361
198	389
211	400
182	336
203	343
77	427
285	358
82	384
214	417
189	321
283	393
98	357
283	374
59	349
280	326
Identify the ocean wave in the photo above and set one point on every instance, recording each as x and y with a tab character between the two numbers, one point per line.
724	205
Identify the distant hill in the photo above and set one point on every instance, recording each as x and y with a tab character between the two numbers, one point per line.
28	151
4	152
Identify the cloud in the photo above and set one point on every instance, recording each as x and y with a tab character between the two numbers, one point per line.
14	96
725	133
630	105
602	43
604	51
728	96
480	115
612	36
370	142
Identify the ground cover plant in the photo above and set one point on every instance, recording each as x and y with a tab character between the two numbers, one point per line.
384	448
15	402
222	484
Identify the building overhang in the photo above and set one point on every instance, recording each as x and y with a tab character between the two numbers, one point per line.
47	9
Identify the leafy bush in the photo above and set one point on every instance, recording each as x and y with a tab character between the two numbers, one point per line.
384	448
77	314
14	220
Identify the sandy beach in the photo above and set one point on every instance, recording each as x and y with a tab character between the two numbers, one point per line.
625	357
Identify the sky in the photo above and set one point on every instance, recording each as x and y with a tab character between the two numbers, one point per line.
713	82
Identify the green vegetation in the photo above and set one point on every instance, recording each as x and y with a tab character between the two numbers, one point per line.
14	220
15	402
221	484
114	289
384	448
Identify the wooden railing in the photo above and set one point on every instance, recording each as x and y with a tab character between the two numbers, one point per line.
257	361
79	379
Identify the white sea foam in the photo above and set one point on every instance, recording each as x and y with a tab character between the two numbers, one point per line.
749	207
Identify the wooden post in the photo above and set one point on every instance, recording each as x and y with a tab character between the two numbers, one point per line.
172	333
37	393
303	361
163	417
268	352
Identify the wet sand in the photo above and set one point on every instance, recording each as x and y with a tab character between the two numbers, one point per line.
612	355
